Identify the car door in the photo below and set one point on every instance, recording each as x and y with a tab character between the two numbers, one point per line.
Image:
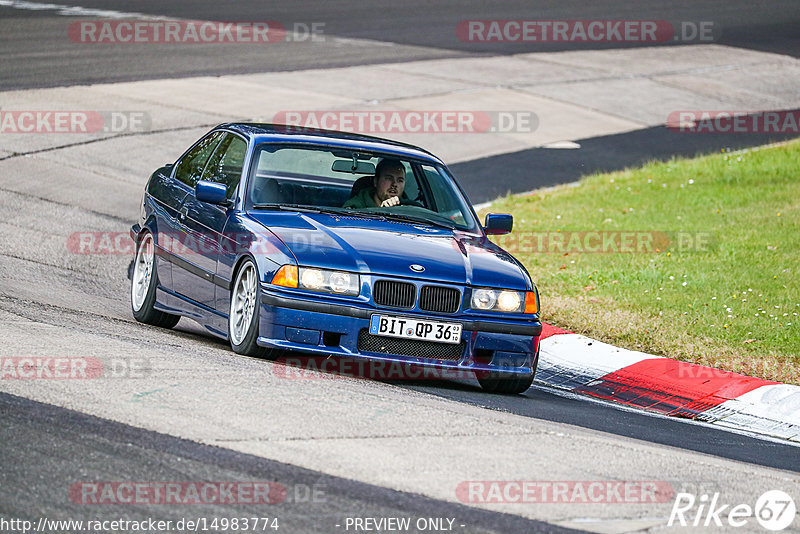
164	197
178	250
204	223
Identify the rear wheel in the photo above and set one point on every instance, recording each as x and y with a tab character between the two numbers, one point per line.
144	280
244	314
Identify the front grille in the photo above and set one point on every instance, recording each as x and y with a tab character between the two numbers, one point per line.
439	299
409	347
394	294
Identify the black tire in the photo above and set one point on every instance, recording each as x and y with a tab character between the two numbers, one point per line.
247	343
507	383
146	312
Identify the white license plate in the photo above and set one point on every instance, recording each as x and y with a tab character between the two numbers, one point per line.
407	328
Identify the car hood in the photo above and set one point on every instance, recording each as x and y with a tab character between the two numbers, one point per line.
390	248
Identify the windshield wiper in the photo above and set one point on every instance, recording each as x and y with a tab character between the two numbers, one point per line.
383	215
422	220
269	206
297	207
315	209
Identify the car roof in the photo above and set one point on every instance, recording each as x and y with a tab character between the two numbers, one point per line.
280	133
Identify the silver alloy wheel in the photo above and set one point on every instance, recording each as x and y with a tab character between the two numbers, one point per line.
142	272
243	303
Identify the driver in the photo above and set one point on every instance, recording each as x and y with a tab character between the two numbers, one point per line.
386	189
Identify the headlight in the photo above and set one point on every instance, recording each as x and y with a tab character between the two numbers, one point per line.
343	282
327	281
484	299
312	279
508	301
504	300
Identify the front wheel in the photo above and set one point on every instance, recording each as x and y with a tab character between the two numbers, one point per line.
497	382
144	280
243	316
507	383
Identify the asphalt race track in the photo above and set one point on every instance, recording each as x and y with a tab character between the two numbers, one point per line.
313	502
543	167
34	55
181	407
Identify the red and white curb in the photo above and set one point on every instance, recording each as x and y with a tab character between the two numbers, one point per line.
589	367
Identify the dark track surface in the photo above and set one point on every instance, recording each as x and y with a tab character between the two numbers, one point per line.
522	171
541	403
38	53
80	448
45	449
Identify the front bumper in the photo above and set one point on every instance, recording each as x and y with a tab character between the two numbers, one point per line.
328	329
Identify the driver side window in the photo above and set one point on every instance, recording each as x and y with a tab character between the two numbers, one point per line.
190	167
225	166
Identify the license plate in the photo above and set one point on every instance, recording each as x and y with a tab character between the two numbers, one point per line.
407	328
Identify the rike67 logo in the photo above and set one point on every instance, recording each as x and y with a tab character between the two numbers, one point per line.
775	510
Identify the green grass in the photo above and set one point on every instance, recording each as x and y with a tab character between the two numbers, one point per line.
732	305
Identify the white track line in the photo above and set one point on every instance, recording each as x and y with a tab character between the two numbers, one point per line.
76	11
79	11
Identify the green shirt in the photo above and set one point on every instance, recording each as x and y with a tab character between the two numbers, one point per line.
364	199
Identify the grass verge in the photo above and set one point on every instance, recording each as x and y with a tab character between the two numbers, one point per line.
693	259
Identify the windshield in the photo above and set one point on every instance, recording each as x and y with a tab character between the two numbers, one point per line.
358	183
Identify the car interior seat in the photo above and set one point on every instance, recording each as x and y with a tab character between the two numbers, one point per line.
360	184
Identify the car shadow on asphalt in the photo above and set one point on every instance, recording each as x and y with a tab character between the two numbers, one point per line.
540	402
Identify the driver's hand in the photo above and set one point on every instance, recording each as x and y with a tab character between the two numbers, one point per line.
392	201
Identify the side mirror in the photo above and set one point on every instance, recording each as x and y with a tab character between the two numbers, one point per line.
211	192
498	223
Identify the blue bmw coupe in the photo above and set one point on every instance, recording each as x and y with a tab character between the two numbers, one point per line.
337	245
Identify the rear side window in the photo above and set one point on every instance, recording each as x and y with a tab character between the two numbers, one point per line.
225	166
190	167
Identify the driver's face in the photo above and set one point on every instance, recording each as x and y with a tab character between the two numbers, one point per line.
390	184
